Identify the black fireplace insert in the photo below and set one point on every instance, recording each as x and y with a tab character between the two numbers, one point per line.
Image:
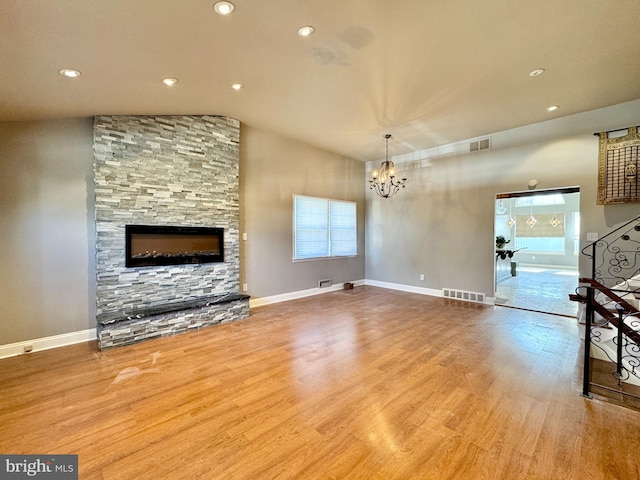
154	245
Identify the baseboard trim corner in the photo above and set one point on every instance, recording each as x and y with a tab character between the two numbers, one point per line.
404	288
421	290
259	302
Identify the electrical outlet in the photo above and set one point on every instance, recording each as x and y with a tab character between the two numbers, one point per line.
245	287
422	276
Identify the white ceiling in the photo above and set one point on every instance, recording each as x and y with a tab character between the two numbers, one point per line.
430	72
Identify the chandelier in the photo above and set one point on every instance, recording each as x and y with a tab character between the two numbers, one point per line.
384	181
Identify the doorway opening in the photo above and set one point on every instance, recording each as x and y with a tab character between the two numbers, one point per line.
537	266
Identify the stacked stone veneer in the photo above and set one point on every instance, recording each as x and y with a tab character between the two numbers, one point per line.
118	331
173	170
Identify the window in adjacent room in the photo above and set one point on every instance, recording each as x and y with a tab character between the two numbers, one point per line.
542	237
323	228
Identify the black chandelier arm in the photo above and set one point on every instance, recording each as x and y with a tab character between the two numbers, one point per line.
384	192
386	189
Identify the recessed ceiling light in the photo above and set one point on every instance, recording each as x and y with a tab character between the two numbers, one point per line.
552	108
169	82
305	31
537	72
237	86
223	8
68	72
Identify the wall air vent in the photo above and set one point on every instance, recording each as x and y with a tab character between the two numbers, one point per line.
324	283
463	295
479	145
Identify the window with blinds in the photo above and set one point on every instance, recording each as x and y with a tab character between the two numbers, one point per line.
323	228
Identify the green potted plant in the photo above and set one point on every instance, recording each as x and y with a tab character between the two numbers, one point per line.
501	242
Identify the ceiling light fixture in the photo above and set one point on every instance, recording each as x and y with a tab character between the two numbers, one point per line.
555	221
223	8
169	82
383	181
237	86
531	221
69	72
537	72
305	31
511	222
552	108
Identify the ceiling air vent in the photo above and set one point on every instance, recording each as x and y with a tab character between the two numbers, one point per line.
478	145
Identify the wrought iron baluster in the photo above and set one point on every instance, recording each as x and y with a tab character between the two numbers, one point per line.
615	272
586	376
619	367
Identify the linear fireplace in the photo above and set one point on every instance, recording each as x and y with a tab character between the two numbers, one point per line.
152	245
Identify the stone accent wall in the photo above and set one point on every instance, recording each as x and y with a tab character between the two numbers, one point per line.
175	170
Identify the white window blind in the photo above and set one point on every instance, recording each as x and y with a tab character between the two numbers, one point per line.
323	228
311	227
342	228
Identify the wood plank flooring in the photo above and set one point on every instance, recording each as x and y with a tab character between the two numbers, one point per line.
367	383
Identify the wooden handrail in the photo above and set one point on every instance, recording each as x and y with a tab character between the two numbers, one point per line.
607	291
607	314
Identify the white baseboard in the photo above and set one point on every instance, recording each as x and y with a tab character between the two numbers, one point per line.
258	302
45	343
404	288
421	290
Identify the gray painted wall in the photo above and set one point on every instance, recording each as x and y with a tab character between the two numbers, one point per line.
272	170
442	224
47	235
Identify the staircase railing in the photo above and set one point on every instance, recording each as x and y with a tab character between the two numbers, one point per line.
624	318
612	293
615	258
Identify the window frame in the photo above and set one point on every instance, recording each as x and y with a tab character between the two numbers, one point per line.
328	244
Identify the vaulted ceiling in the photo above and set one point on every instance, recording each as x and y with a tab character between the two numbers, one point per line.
430	72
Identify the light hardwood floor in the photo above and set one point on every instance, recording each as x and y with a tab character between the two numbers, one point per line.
367	383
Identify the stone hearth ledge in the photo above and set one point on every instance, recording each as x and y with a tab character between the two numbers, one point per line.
125	328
